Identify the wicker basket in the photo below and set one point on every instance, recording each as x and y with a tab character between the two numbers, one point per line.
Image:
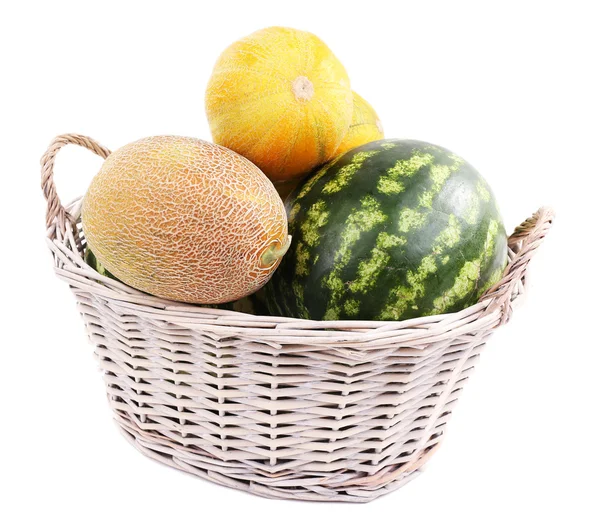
279	407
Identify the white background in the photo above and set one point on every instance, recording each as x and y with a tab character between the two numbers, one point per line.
510	86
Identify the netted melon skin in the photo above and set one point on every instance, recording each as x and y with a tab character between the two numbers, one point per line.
184	219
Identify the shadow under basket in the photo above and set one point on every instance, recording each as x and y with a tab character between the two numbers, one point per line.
279	407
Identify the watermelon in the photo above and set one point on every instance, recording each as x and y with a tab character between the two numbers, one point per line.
391	230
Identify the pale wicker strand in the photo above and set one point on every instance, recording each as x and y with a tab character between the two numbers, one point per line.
279	407
55	208
526	238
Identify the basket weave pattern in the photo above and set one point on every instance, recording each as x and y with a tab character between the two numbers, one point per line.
280	407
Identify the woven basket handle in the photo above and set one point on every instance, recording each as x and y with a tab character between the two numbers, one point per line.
55	208
524	242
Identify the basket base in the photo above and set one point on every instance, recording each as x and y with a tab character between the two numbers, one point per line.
164	455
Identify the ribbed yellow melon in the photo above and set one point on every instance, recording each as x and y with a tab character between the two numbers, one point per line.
282	99
184	219
365	127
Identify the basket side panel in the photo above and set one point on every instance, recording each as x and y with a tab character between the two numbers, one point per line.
281	416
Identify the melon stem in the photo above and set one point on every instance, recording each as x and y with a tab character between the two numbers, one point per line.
303	88
275	252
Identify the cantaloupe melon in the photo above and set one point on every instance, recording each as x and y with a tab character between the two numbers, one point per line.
282	99
185	219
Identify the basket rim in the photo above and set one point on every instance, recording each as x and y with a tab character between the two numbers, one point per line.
417	332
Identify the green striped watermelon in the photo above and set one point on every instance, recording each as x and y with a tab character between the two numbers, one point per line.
390	230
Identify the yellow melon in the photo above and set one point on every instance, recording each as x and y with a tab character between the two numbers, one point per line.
365	127
184	219
282	99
